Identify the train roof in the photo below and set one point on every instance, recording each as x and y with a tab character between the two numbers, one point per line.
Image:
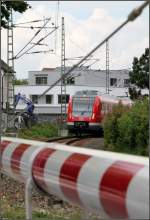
103	97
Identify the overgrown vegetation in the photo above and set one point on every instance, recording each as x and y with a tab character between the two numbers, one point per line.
55	212
40	130
126	130
17	6
139	76
20	82
19	214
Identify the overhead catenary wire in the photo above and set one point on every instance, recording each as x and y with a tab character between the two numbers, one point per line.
16	56
131	17
37	42
30	21
75	44
40	51
77	58
79	72
31	27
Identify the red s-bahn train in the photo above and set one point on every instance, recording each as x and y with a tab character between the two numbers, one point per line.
86	110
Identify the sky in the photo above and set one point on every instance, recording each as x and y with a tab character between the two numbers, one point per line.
87	23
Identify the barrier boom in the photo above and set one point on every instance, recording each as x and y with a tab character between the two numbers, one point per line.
111	184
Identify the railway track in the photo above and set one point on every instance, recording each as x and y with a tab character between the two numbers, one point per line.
87	141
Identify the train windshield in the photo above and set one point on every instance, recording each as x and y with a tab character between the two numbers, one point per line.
83	106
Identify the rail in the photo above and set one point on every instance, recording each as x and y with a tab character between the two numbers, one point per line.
111	184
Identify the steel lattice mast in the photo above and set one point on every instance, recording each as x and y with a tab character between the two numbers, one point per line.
107	67
63	80
10	63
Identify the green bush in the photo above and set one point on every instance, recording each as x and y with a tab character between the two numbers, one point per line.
40	130
110	125
128	131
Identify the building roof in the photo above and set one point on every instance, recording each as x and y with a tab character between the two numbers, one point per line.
5	67
47	69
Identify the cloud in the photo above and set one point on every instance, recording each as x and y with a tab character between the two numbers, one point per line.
82	35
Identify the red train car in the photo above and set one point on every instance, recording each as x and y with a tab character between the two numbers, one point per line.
86	110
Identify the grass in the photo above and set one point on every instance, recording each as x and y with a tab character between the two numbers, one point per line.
40	130
18	213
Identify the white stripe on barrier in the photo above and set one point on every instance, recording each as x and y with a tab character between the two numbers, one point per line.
52	171
138	195
89	183
27	160
6	160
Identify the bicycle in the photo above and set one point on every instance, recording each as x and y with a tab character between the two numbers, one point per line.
24	120
3	126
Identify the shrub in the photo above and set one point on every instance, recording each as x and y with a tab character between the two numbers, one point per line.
110	125
128	131
40	130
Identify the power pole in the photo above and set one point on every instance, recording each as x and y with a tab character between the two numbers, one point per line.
10	62
107	67
63	80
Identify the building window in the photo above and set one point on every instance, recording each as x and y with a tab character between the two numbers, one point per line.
34	99
41	80
126	82
49	99
64	99
69	81
113	81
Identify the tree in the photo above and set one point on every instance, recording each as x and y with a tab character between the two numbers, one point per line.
20	82
18	6
139	76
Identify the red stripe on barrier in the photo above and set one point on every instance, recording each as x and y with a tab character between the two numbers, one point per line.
39	164
16	157
3	145
69	174
114	185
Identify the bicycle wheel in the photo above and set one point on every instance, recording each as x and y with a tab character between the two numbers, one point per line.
3	126
19	123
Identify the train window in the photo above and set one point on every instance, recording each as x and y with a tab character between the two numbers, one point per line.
87	92
83	106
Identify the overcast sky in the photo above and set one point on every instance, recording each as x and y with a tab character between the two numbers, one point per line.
87	23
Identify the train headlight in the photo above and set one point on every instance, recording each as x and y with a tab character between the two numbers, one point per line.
93	115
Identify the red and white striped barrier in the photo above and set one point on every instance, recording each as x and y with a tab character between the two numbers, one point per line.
111	184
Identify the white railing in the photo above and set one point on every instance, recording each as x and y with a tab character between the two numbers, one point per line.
111	184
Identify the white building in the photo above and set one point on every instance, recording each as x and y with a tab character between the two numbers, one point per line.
80	79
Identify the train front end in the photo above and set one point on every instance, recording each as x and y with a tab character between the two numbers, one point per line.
84	114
